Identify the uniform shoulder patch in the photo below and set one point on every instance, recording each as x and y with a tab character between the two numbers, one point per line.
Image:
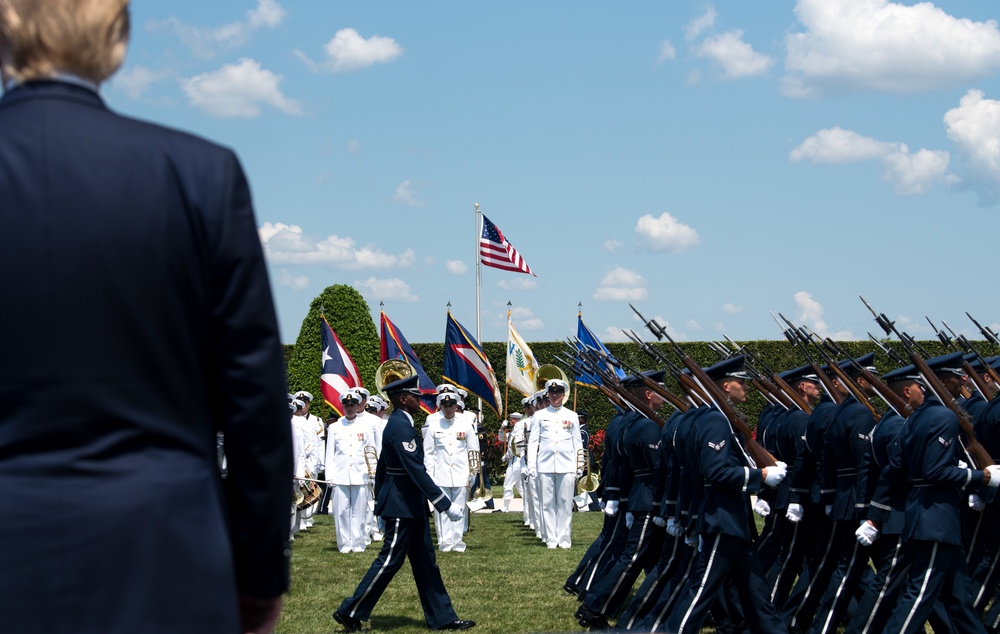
409	447
717	447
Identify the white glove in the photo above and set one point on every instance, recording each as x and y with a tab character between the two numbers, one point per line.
762	508
775	474
611	508
828	509
579	473
455	512
691	541
963	464
701	543
659	521
994	476
976	503
503	425
794	513
674	528
629	519
866	534
530	472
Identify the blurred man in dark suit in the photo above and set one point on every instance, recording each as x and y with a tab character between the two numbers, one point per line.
146	326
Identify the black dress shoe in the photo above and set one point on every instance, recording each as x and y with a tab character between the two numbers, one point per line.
458	625
350	623
570	589
590	619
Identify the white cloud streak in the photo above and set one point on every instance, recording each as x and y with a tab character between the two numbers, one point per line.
456	267
348	51
885	46
736	58
238	90
205	42
393	289
665	233
621	285
811	313
406	195
287	244
974	127
698	25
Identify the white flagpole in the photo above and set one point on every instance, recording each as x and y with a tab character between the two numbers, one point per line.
479	259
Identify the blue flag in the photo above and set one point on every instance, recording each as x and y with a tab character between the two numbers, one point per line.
466	365
395	346
589	339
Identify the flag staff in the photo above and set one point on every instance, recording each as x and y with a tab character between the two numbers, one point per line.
479	332
579	317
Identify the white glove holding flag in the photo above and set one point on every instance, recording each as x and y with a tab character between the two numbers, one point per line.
775	474
994	471
762	508
794	513
611	508
455	512
866	534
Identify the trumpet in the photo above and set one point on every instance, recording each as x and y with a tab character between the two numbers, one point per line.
371	461
480	493
588	482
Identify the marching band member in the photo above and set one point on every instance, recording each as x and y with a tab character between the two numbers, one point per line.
515	441
347	472
552	451
309	460
377	425
448	439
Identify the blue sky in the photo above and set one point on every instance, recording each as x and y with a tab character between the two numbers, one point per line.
708	162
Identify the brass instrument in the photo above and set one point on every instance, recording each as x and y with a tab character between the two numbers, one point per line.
588	482
548	372
389	372
371	461
480	493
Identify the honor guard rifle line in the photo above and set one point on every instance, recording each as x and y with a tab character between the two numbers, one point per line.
797	340
611	382
762	457
978	454
771	381
963	342
694	393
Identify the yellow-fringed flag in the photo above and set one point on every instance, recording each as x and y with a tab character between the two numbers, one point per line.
521	363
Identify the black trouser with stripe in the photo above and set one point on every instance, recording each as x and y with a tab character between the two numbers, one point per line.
642	550
404	538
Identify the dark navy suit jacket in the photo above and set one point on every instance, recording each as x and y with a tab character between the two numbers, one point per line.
401	482
137	323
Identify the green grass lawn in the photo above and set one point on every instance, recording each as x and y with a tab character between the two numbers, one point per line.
507	580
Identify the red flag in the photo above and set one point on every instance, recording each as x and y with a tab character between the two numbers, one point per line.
339	373
495	251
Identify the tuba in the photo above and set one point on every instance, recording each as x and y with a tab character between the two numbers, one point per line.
480	493
371	461
547	372
391	371
589	481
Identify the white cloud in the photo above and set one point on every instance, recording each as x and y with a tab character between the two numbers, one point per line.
406	195
287	244
621	285
665	233
519	283
348	52
524	319
732	309
886	46
290	280
456	267
135	80
615	334
667	51
612	246
238	90
811	313
353	146
909	173
204	41
705	21
693	325
736	57
974	126
393	289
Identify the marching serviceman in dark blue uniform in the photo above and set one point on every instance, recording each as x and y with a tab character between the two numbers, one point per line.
930	451
725	525
402	486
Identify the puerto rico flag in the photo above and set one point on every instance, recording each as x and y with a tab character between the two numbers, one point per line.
466	365
339	374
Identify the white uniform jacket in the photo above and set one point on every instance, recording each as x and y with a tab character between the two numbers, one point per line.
554	441
345	457
447	444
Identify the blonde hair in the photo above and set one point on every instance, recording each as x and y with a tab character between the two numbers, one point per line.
39	38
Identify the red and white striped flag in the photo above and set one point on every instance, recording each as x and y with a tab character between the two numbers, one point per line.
495	251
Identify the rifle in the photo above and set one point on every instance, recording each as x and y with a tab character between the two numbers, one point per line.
889	352
988	334
942	336
893	400
975	377
976	452
695	393
677	402
796	338
783	393
761	457
613	385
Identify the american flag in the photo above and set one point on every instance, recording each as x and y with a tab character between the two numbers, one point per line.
495	251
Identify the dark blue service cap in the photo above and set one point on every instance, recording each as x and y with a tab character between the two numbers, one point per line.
905	373
801	373
993	362
582	414
866	361
409	384
732	367
951	363
634	380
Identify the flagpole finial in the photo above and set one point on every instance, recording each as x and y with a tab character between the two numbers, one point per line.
381	304
509	304
477	206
